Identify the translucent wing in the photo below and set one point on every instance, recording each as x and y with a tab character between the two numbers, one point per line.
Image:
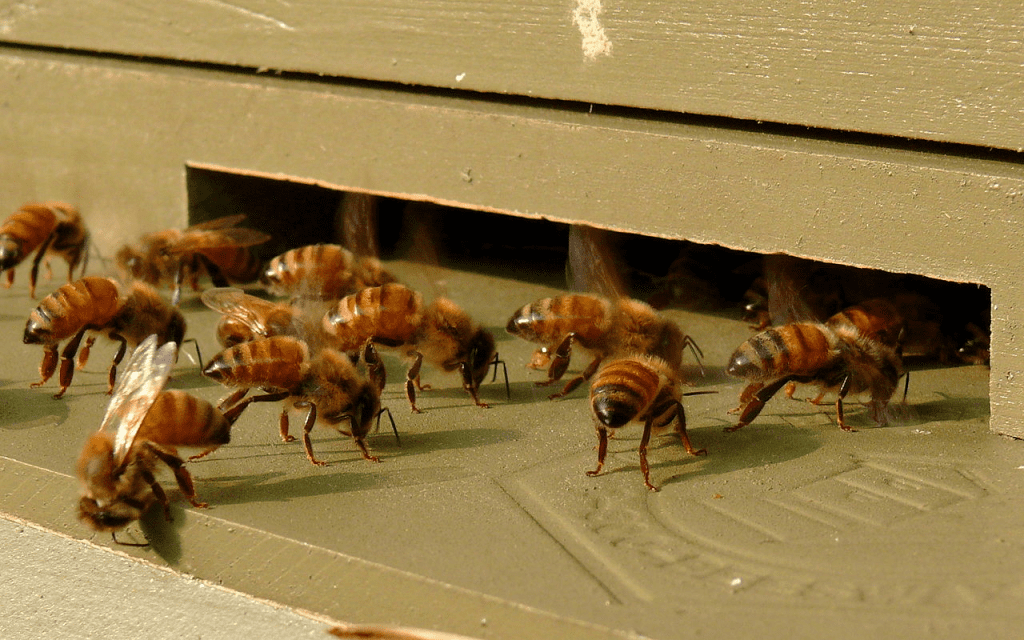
193	240
218	223
248	309
142	379
594	264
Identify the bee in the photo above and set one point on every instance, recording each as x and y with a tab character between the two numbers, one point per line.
172	256
143	425
49	229
322	272
877	319
394	316
99	305
246	317
845	354
637	388
602	327
328	386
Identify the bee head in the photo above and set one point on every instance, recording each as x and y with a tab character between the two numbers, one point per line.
482	353
110	516
10	252
174	331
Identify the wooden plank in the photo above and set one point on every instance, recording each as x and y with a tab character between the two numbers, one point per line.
897	68
121	146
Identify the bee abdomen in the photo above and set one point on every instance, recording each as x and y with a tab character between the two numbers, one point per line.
790	349
277	362
622	390
180	420
89	301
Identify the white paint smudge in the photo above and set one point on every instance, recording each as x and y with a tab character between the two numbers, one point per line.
459	77
595	41
248	13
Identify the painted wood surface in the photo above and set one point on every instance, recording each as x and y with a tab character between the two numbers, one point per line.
120	149
903	68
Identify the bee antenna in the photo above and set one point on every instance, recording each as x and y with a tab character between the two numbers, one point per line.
198	354
698	354
496	362
392	419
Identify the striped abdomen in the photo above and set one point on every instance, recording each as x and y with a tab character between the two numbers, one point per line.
24	231
792	349
316	270
237	264
623	390
391	313
281	362
90	301
178	419
549	320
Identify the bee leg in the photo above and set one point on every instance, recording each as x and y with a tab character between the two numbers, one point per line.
283	426
790	390
644	440
112	374
747	395
560	357
183	477
412	377
374	367
683	436
35	265
757	402
575	382
9	279
216	275
47	366
83	355
602	450
843	390
467	384
67	361
231	400
359	440
158	492
310	421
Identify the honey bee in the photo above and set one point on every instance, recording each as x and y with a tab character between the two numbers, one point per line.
602	327
328	386
99	305
143	425
322	272
394	316
637	388
49	229
246	317
877	319
846	355
172	256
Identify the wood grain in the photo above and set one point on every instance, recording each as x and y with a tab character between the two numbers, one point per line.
901	68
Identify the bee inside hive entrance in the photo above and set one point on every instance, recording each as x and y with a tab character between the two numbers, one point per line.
947	323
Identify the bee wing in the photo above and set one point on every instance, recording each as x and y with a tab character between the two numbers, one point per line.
790	296
140	383
594	265
193	240
218	223
238	304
